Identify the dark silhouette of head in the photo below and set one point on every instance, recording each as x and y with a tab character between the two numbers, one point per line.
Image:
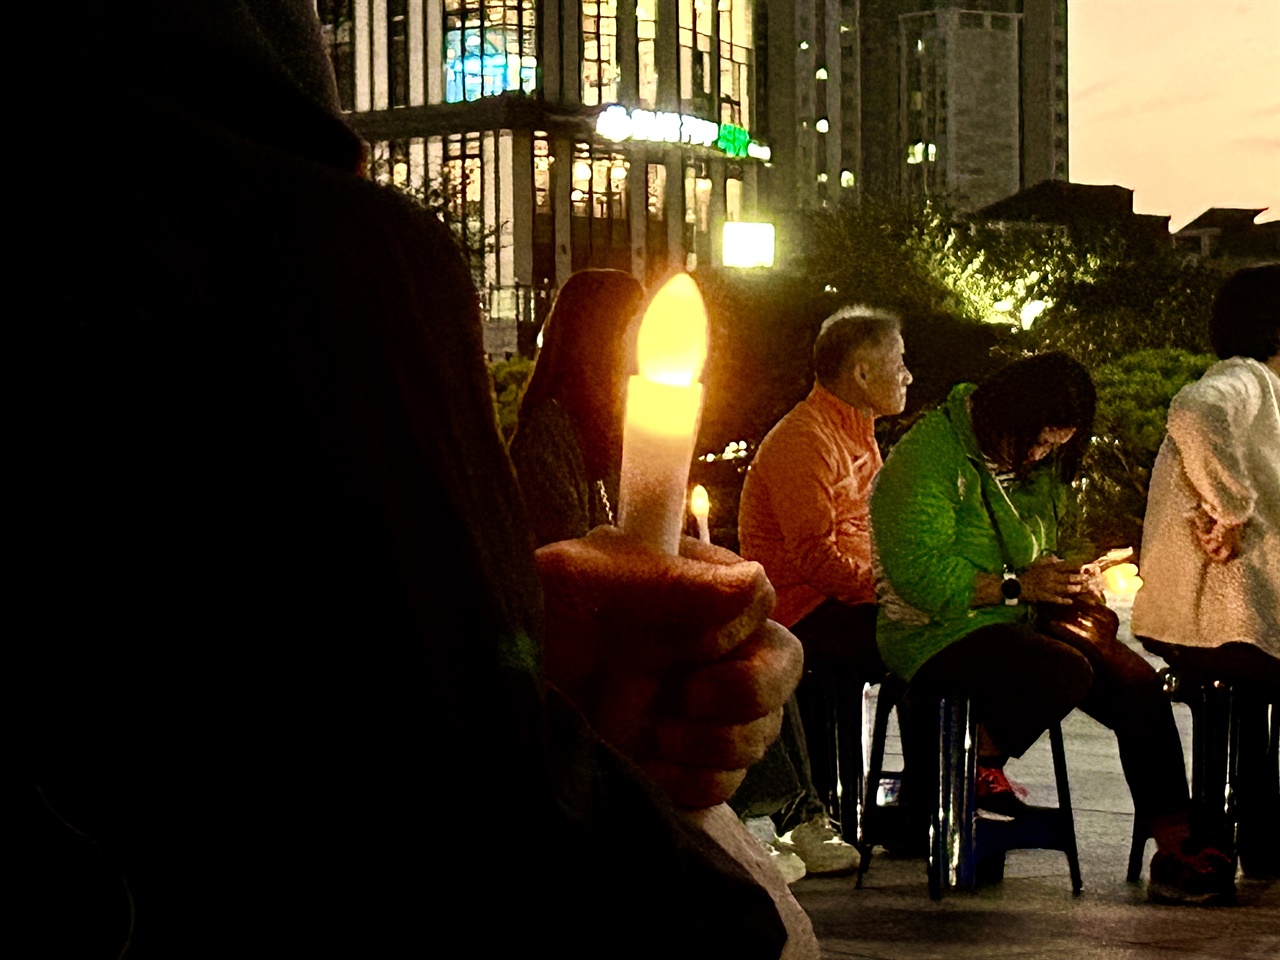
588	347
1016	404
1246	314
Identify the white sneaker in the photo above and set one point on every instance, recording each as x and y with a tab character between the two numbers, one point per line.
788	863
820	847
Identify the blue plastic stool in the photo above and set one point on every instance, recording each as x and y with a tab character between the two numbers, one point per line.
966	848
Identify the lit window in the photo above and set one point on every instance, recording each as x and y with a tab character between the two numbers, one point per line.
804	44
822	126
822	178
646	52
695	57
736	45
821	74
846	178
919	152
490	47
599	52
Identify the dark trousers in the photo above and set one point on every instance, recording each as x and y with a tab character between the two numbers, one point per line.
840	658
1255	700
1020	681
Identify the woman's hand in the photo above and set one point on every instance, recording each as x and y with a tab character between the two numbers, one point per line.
1049	580
1219	541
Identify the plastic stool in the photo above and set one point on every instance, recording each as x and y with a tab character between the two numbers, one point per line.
965	847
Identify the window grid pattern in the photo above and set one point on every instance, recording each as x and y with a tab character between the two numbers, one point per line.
337	29
647	53
735	61
695	57
490	47
599	52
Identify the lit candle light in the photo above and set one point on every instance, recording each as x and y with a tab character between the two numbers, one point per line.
700	506
1122	581
663	405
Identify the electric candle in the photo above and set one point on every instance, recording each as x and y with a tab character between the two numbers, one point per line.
663	405
1122	581
700	506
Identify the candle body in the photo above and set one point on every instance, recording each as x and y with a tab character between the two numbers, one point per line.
657	449
704	532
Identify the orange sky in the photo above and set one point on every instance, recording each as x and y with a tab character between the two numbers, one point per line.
1178	99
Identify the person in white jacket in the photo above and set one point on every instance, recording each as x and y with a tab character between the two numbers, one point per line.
1210	603
1211	538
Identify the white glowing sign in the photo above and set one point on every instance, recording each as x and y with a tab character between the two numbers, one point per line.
617	124
747	244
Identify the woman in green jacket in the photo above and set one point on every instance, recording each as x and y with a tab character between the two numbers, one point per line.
964	523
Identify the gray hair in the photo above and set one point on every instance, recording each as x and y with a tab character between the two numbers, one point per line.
849	329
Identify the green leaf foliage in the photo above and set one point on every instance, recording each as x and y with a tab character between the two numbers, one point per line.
1133	404
509	378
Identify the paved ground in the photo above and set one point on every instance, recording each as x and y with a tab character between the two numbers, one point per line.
1032	914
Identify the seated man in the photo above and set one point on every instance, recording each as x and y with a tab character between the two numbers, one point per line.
803	516
972	598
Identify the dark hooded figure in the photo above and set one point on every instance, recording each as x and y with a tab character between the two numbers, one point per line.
284	625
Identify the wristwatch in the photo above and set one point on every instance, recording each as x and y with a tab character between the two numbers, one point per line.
1011	590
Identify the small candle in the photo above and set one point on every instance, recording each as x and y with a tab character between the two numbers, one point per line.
663	405
700	506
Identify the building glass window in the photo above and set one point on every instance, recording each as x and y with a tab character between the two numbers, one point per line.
695	57
490	47
599	52
600	211
647	52
542	161
337	28
735	61
398	51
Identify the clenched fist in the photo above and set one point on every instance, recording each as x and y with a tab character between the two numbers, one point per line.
672	660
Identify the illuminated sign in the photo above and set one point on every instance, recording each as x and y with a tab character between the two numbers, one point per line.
747	244
617	124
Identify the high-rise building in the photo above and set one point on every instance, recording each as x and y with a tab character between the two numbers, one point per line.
904	98
558	136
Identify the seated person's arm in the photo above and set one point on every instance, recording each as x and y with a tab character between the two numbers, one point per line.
1209	423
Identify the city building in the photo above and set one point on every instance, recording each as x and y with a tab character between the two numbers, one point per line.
1059	205
899	99
558	136
1230	233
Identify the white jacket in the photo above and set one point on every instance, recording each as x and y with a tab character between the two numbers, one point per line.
1221	456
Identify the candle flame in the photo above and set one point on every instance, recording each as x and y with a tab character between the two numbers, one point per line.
672	345
699	502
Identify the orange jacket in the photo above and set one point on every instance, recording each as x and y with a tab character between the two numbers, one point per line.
804	513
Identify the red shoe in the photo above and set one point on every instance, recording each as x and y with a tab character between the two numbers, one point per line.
1205	877
996	793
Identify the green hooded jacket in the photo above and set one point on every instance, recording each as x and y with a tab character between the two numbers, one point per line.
938	516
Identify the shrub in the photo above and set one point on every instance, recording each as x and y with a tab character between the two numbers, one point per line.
1133	403
509	377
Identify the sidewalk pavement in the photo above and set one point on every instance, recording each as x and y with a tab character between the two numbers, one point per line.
1032	914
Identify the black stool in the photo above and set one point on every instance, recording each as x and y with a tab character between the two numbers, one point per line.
966	848
876	822
1217	778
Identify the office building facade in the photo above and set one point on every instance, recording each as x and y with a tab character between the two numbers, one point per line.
557	136
900	99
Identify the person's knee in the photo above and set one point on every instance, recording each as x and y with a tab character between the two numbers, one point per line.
1074	675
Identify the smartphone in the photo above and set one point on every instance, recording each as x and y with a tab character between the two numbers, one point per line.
1111	558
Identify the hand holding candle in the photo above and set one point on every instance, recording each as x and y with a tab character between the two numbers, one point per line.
700	507
662	410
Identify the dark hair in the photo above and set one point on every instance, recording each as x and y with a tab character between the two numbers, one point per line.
583	360
1012	406
846	330
1246	314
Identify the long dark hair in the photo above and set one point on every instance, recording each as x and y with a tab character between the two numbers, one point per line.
1012	406
586	347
